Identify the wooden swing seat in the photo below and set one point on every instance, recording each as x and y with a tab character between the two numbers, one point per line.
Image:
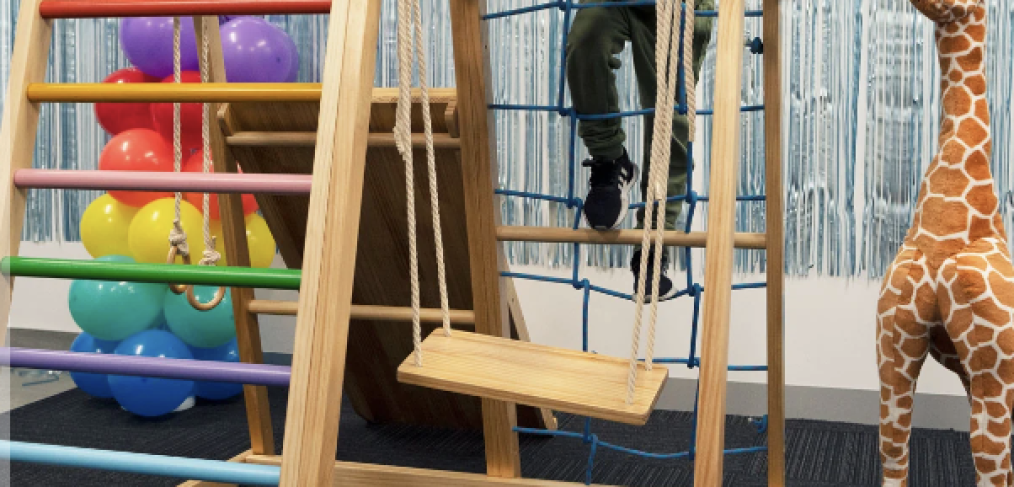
574	382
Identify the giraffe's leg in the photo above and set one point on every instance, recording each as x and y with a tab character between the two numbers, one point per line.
902	347
977	299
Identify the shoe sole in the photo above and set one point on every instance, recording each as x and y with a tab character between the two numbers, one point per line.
625	200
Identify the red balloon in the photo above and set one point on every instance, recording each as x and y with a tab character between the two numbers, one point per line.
196	164
137	150
190	117
117	117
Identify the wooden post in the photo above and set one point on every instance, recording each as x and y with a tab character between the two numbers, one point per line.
248	336
482	216
775	243
719	243
17	136
329	257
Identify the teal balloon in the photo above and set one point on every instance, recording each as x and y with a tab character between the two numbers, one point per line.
115	310
204	329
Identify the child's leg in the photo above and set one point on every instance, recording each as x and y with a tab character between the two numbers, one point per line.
596	37
643	44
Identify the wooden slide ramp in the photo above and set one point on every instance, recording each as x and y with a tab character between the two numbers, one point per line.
280	138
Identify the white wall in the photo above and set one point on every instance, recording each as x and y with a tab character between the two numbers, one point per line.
829	323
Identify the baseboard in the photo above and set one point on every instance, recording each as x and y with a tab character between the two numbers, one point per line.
852	406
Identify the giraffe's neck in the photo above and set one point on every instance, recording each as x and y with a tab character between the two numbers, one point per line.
957	200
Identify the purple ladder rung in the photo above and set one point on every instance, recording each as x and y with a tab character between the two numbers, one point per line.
183	182
166	368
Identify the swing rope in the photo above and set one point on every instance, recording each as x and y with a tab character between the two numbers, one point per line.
177	236
409	21
667	75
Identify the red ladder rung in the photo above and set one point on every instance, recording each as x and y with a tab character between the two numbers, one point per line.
79	9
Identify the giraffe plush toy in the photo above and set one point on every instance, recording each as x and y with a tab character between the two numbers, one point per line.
950	291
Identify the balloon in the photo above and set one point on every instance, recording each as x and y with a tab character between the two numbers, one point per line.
191	128
137	150
149	396
148	235
259	241
205	329
196	164
114	310
118	117
104	226
256	51
95	385
148	44
217	391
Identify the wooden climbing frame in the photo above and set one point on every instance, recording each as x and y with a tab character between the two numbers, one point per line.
328	254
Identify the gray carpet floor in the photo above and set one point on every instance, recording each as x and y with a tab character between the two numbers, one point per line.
820	454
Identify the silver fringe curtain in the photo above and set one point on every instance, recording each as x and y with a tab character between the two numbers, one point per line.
861	106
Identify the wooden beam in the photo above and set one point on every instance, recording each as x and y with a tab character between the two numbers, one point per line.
366	312
720	245
482	216
329	257
17	135
248	334
350	474
241	458
517	316
775	229
309	139
618	237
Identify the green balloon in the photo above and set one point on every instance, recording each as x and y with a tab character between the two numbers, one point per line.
115	310
204	329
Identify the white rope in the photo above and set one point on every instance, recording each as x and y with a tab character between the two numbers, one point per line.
177	237
210	256
661	148
410	33
690	87
431	163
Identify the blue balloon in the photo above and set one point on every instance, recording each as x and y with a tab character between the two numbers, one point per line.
205	329
217	391
150	396
96	385
114	310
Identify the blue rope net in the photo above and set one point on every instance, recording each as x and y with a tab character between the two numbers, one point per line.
693	290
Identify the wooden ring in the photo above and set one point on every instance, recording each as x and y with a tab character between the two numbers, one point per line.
171	259
199	306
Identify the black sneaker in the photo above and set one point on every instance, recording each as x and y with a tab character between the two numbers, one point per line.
609	191
665	287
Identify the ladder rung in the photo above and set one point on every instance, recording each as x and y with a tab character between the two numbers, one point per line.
172	92
167	368
366	312
71	9
633	237
309	139
193	182
160	273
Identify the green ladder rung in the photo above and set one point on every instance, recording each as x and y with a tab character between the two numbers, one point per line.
159	273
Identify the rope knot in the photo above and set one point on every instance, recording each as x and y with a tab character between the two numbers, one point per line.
178	238
210	257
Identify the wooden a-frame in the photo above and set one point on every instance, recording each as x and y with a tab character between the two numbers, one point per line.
325	306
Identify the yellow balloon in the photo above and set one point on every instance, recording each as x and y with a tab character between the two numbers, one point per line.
148	236
259	241
104	226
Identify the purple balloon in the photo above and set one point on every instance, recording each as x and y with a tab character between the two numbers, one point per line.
256	51
148	44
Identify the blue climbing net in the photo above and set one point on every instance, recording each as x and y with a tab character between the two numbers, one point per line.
693	290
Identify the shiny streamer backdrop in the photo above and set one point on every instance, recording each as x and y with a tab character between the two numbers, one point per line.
860	103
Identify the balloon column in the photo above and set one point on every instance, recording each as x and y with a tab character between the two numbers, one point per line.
121	226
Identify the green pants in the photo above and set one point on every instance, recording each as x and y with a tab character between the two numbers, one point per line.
598	35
